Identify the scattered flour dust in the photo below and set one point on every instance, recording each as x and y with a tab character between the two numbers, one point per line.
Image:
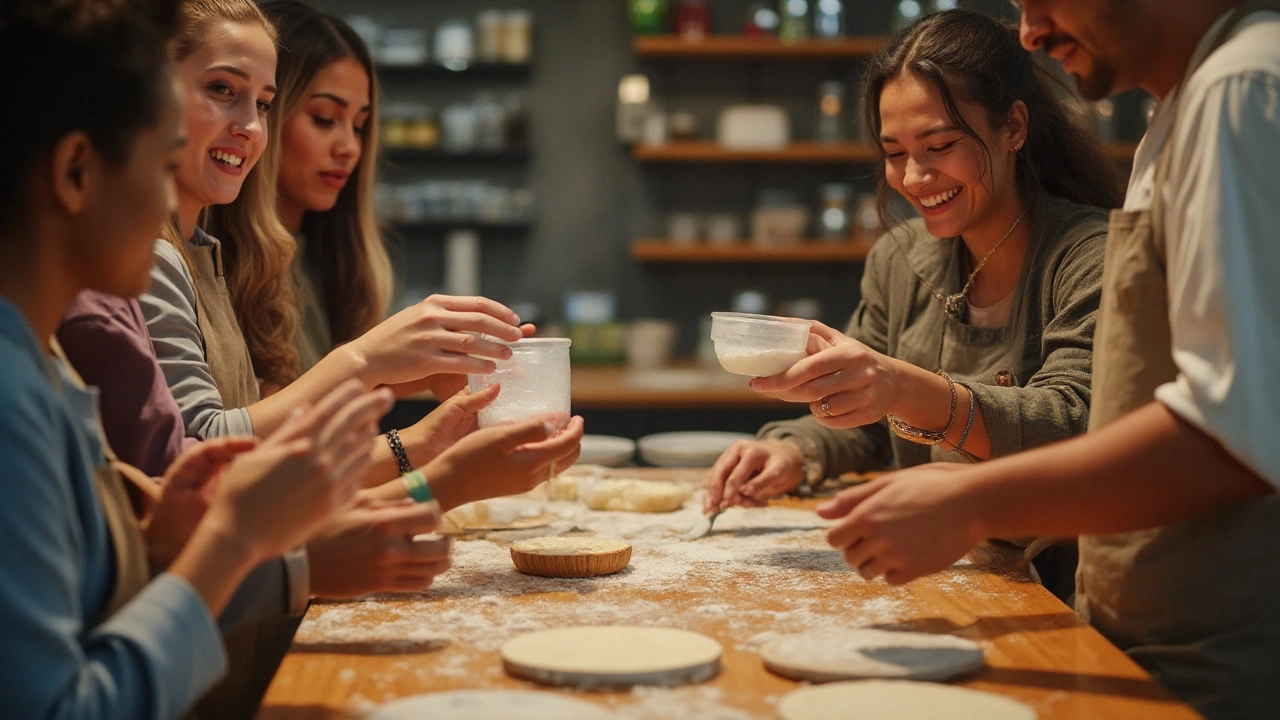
777	554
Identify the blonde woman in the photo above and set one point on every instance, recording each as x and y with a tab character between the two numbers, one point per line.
221	311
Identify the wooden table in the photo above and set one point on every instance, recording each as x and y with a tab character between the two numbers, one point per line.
1037	650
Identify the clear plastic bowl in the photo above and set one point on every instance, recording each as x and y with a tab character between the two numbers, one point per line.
535	382
758	345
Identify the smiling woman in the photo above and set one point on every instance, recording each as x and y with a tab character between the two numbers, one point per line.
974	335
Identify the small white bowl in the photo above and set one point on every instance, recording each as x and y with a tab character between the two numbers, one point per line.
758	345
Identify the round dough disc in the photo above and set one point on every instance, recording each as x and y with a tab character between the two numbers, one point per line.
609	657
570	556
653	496
899	700
491	705
824	656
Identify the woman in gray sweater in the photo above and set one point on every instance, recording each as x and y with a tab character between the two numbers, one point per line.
973	338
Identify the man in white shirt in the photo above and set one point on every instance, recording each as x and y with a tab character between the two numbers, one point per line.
1173	490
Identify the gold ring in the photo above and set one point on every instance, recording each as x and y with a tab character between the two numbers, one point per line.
826	409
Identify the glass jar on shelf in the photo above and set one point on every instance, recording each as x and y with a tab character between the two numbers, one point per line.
422	132
394	127
834	223
517	37
831	95
793	26
828	19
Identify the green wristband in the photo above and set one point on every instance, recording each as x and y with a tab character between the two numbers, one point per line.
416	483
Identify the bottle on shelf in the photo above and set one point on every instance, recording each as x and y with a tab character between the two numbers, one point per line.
693	20
831	96
828	19
648	17
761	22
794	21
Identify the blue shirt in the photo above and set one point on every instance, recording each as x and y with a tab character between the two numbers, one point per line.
151	659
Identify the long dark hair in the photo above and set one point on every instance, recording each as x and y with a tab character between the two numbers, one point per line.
343	246
972	57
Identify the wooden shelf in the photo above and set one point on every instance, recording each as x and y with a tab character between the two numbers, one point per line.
705	151
736	47
812	251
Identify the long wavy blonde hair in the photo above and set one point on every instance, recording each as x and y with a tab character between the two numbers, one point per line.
344	246
257	249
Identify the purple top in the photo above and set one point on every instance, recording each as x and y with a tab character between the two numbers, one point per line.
106	340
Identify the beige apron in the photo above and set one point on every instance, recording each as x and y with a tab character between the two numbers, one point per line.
224	348
129	549
1198	603
254	652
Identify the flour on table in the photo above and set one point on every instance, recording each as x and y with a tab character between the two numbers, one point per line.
492	705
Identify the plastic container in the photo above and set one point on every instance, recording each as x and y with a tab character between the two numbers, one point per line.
535	382
758	345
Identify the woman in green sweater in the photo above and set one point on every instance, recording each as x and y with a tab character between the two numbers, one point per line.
973	338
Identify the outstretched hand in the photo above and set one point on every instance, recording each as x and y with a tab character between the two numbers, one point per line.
905	525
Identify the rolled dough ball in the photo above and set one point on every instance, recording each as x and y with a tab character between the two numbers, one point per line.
491	705
823	656
651	496
898	700
610	657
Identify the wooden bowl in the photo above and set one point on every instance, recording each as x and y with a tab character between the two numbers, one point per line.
570	556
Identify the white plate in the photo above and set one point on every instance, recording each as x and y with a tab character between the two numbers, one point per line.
687	449
607	450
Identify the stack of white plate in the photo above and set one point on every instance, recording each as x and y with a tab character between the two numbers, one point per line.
607	450
687	449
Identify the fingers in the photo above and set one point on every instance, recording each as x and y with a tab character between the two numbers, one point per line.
355	415
410	519
846	500
827	333
476	304
557	444
428	551
507	438
475	402
719	474
528	329
199	463
751	460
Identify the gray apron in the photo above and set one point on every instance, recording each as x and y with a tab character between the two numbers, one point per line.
1198	603
254	652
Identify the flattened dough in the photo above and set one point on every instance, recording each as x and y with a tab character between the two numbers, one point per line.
898	700
653	496
603	657
827	655
491	705
555	545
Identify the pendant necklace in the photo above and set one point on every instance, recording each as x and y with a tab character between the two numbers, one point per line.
955	304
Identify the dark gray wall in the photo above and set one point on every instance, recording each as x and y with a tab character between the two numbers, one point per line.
593	200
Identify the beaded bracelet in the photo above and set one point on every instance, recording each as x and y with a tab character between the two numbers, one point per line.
973	406
397	449
416	485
